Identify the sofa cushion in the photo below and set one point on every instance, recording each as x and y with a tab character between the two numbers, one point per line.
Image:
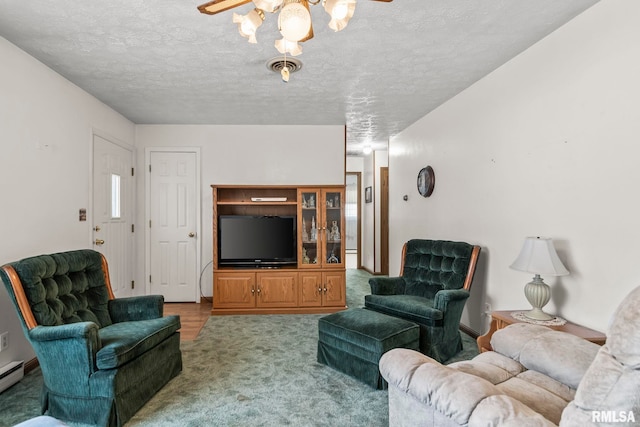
122	342
537	398
561	356
540	392
492	366
410	307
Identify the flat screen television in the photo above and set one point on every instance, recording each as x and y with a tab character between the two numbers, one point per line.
256	241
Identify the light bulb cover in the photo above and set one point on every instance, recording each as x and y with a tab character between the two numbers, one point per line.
268	5
249	23
341	11
285	46
294	21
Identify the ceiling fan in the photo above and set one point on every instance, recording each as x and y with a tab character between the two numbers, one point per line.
294	21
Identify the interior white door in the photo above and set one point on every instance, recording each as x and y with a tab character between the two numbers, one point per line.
173	225
113	211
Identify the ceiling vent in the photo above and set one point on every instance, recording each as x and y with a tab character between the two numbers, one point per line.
277	64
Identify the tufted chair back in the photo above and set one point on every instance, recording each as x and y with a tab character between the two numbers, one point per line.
429	266
62	288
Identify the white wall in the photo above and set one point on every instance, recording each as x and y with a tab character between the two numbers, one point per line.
547	145
43	189
245	155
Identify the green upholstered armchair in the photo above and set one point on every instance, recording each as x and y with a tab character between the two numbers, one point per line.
102	358
431	291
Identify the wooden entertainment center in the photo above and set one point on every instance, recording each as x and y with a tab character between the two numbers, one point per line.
316	283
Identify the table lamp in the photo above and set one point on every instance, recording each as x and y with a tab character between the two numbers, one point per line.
538	256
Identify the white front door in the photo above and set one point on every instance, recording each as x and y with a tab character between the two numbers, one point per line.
173	220
113	211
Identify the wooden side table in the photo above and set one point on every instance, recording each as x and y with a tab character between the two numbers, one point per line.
501	319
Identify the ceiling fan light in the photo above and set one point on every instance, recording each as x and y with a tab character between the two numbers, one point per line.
285	46
340	11
249	23
268	5
294	20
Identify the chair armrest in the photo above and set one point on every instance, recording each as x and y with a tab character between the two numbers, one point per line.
387	285
449	296
67	354
79	330
136	308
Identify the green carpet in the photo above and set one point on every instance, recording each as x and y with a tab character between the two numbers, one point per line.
249	371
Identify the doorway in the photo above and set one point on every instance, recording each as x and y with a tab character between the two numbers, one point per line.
173	222
352	217
113	231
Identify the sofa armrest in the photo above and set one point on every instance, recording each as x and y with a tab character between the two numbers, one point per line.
387	285
67	354
461	397
452	393
136	308
506	411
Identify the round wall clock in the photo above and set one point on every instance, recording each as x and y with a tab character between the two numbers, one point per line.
426	181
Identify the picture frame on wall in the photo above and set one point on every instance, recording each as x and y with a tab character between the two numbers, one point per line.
368	195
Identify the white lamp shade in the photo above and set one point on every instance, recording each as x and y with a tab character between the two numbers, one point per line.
268	5
294	22
538	256
340	11
249	23
285	46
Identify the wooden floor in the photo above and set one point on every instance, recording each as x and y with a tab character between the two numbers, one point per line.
193	316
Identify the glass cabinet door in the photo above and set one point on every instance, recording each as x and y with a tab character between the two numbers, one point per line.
309	228
333	227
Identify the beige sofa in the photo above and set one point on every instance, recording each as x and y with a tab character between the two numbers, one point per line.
534	377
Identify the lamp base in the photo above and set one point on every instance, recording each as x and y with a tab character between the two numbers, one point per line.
537	314
538	294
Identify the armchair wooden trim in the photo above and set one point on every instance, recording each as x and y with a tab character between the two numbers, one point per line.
473	261
21	298
107	280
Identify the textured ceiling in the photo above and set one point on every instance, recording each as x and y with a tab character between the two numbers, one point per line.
163	62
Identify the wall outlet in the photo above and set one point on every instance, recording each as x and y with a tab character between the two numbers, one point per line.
487	309
4	340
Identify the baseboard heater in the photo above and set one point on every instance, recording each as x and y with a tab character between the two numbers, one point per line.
11	374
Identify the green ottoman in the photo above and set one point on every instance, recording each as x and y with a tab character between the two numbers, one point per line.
352	342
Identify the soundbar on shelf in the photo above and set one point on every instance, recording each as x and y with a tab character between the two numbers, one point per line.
268	199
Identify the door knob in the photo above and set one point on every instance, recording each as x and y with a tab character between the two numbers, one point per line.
96	228
99	242
192	234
